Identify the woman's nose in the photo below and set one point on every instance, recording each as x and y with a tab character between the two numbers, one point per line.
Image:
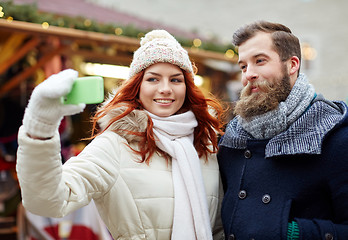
165	87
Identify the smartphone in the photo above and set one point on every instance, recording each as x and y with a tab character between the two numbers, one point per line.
88	90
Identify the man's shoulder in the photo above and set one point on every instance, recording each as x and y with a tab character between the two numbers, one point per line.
335	111
322	108
339	107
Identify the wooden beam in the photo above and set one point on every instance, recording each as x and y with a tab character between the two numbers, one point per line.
19	54
16	80
101	38
67	33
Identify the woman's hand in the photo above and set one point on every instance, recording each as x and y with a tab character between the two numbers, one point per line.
45	109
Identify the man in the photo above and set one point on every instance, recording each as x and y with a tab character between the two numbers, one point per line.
284	157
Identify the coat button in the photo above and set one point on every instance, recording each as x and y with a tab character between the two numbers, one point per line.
231	237
328	236
242	194
247	154
266	198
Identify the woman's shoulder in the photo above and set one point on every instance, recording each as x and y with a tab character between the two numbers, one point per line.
107	142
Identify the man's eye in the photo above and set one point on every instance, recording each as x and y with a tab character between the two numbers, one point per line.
259	60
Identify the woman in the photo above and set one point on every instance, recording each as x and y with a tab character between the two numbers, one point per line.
151	168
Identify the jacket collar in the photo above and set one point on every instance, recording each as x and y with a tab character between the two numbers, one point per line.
318	120
129	127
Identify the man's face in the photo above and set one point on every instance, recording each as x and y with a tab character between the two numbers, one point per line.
265	77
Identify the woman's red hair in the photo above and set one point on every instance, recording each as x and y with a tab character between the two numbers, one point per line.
208	112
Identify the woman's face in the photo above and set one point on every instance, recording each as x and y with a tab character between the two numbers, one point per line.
163	89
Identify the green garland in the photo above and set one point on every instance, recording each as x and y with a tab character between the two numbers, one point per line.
30	13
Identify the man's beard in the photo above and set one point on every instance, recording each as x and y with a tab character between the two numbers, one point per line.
265	100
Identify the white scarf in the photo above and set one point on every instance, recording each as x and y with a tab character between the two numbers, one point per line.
175	137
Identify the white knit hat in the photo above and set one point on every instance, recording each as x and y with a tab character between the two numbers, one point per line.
159	46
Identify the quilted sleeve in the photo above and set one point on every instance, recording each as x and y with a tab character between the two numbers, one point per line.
54	190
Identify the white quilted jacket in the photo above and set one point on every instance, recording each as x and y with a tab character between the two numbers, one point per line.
135	200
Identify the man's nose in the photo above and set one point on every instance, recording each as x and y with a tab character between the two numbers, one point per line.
251	74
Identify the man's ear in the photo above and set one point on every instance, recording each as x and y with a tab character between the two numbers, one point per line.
294	65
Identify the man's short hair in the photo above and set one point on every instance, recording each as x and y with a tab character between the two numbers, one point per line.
285	43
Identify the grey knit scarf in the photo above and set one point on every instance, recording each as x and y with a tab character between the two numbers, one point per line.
270	124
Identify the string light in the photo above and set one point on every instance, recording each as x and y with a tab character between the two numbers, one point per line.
45	25
229	53
308	52
197	42
198	80
1	12
118	31
87	23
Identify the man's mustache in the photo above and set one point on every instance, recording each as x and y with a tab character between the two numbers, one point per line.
263	85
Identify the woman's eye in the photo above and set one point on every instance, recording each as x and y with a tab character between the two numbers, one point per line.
259	60
176	80
151	79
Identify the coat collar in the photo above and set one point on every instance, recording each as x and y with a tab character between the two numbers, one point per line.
129	127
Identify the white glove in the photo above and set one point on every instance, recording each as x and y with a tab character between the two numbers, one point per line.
45	109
